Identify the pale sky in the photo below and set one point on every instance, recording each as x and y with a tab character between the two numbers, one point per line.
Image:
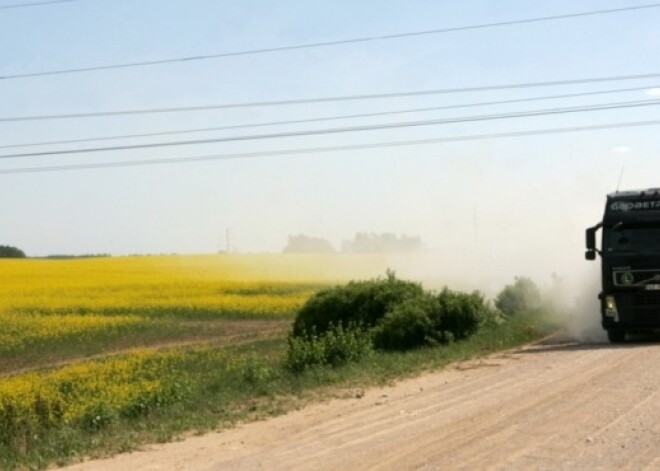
516	204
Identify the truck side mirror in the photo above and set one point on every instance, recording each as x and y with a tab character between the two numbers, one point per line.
591	242
591	239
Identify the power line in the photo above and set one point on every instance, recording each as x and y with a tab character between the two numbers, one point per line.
323	118
300	101
333	43
316	132
179	160
34	4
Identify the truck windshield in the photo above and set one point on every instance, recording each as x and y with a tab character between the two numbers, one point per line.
640	240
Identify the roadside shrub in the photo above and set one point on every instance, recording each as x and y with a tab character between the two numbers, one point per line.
361	303
521	296
342	324
255	371
303	352
431	319
459	314
335	347
406	325
345	345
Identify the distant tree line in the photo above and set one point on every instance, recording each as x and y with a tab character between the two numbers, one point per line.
69	257
381	243
306	244
362	243
8	251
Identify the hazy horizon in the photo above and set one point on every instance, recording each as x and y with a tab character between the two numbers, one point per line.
493	207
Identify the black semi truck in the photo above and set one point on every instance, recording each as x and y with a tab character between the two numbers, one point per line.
630	255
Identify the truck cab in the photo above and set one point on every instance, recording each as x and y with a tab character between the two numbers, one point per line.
630	262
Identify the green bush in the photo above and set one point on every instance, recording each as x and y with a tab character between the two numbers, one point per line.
431	319
255	371
406	325
335	347
522	296
459	313
342	324
361	303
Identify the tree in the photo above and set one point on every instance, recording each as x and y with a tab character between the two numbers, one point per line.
306	244
8	251
381	243
519	297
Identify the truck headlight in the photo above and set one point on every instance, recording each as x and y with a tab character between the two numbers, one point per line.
610	307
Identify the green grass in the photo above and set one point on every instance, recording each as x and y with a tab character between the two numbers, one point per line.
228	385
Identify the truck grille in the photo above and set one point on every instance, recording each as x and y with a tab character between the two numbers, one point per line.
639	308
645	300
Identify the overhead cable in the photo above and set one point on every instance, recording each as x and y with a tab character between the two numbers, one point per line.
311	150
364	39
316	132
300	101
33	4
321	119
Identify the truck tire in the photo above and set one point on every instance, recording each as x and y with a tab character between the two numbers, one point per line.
616	335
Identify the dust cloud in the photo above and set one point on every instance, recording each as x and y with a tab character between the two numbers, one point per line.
571	294
577	307
583	320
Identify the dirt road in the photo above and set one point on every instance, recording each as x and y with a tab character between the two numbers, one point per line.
558	405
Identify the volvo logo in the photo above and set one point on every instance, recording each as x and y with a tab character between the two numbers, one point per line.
627	278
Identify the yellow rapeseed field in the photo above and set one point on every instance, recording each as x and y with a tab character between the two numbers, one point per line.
89	394
21	330
45	304
154	285
54	311
49	300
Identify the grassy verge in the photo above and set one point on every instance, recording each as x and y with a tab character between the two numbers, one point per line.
213	388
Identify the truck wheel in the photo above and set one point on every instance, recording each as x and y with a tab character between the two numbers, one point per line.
616	335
